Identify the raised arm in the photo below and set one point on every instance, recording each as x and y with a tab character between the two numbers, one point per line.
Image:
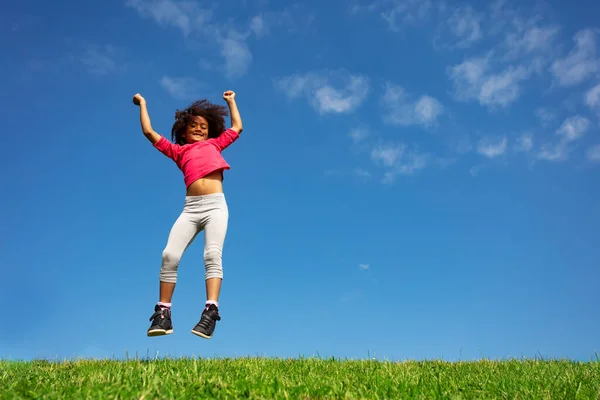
236	120
150	134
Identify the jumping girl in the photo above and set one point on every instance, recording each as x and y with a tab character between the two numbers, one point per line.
199	137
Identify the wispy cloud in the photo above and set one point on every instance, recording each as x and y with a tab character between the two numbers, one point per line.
572	129
391	158
492	147
387	154
403	110
522	49
232	38
465	23
99	60
362	173
592	98
593	153
341	100
553	152
530	40
473	80
292	18
185	15
524	142
581	62
408	164
328	92
397	159
545	115
181	88
359	134
396	13
237	56
363	266
258	26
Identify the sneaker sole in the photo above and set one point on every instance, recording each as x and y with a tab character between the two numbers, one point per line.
160	332
202	335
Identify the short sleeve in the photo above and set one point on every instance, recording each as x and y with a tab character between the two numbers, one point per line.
225	139
167	148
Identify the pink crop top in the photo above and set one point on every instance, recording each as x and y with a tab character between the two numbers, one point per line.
197	160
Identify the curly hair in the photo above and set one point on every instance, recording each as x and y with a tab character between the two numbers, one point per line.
213	113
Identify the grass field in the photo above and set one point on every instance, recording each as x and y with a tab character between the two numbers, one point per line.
265	378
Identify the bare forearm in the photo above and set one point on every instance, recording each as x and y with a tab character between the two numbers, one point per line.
146	124
236	120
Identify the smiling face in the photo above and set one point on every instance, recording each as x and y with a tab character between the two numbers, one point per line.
196	130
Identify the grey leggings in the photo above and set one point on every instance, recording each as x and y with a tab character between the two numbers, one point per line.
209	213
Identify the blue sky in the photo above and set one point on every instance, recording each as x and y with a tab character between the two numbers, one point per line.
416	179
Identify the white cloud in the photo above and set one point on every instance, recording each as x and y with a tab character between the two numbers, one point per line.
408	164
363	266
531	40
573	128
362	173
185	15
336	100
292	18
503	88
237	57
387	154
183	88
397	160
545	115
394	158
99	60
524	142
333	92
427	110
553	152
593	153
359	134
592	97
191	19
492	147
465	23
258	26
295	85
401	110
581	62
467	77
401	12
472	81
396	13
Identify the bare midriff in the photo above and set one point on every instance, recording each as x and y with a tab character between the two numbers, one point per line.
209	184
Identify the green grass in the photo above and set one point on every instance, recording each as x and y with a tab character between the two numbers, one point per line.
265	378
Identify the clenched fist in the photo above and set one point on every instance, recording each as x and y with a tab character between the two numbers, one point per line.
138	99
229	95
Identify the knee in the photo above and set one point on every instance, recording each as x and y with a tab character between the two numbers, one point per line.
213	262
170	258
170	262
213	254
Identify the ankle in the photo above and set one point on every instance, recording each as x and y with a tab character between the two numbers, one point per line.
163	305
209	302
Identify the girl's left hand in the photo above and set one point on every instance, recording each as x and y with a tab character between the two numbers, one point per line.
229	95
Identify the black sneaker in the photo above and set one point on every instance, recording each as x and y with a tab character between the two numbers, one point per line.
206	326
161	322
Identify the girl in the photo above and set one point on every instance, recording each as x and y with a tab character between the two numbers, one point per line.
199	137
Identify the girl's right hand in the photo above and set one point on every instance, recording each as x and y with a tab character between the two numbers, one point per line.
138	99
